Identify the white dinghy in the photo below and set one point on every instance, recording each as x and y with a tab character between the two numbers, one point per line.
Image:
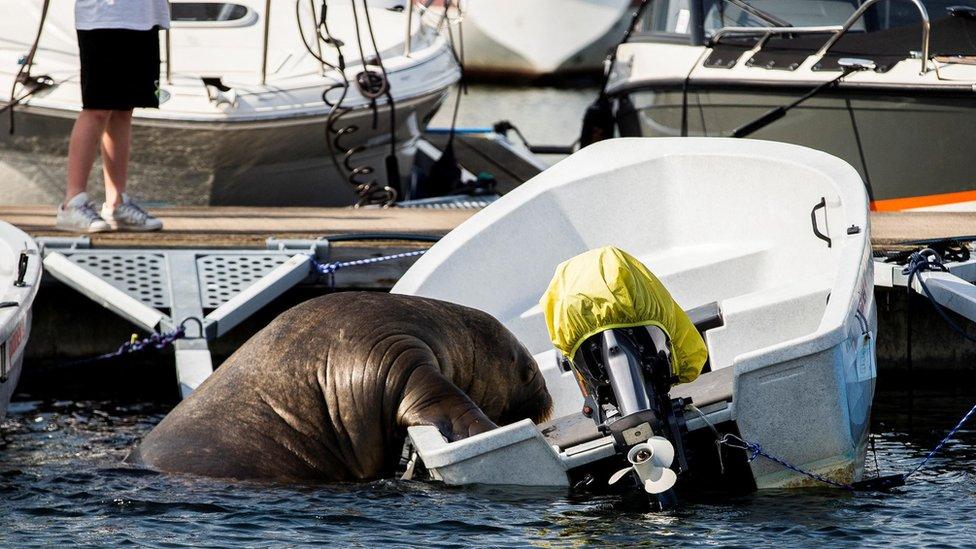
20	276
767	247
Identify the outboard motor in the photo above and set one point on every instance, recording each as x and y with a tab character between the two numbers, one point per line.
628	343
626	376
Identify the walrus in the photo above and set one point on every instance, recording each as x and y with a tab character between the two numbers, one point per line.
326	392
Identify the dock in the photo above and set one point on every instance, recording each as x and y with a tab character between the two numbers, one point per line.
278	235
250	227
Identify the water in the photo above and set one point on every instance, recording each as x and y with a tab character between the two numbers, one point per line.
546	116
62	481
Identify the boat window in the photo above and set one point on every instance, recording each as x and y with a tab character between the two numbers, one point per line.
667	17
765	13
808	13
894	13
211	14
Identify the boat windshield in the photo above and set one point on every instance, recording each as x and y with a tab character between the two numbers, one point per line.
674	17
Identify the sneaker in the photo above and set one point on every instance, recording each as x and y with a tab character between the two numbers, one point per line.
79	216
129	216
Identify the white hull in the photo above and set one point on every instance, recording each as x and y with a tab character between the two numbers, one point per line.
541	37
15	320
725	222
262	142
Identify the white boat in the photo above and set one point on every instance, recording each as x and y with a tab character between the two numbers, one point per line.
765	244
905	93
541	37
20	277
242	119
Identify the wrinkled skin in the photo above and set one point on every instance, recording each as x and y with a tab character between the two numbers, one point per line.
328	389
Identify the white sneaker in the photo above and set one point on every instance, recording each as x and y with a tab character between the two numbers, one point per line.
129	216
79	215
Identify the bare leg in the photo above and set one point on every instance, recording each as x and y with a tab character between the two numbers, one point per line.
85	136
116	143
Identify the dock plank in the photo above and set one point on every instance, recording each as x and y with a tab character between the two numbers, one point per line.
889	228
250	227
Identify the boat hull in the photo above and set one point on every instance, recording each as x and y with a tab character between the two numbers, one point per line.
890	139
15	316
541	38
271	163
12	361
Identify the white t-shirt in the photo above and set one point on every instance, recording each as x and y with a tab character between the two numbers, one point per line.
121	14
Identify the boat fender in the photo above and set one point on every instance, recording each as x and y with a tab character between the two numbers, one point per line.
598	122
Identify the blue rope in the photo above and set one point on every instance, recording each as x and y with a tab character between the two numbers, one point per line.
919	262
331	268
755	451
943	442
156	340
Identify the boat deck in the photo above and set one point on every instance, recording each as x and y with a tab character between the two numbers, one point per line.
250	227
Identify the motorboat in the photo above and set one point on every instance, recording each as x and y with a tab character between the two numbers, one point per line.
885	85
20	277
541	37
765	246
249	115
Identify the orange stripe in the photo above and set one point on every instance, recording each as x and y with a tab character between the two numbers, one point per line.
897	204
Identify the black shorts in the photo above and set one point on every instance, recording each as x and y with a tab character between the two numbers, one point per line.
119	68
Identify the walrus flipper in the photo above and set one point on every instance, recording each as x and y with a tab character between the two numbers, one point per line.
431	399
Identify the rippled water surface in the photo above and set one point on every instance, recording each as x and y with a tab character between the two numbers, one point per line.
62	481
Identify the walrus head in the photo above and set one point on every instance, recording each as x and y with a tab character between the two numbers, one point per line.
509	386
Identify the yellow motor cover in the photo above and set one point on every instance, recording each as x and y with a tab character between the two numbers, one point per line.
608	288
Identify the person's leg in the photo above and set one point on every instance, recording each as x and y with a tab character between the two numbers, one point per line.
116	142
82	148
120	211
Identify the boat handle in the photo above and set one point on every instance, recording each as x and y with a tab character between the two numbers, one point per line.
21	270
822	205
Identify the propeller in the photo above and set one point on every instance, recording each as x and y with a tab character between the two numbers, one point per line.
651	462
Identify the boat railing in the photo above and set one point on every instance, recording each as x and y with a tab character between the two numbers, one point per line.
836	31
770	31
922	12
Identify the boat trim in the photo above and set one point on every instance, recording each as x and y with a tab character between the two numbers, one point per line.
228	124
958	88
923	201
769	31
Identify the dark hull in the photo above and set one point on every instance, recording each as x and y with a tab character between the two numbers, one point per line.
914	151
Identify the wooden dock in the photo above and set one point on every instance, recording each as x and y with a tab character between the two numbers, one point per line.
250	227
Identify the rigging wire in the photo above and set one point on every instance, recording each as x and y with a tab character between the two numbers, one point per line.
24	72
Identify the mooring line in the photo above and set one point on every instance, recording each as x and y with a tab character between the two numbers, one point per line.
943	442
755	450
331	268
155	340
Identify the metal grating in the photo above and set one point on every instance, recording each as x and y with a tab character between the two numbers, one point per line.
225	275
140	275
